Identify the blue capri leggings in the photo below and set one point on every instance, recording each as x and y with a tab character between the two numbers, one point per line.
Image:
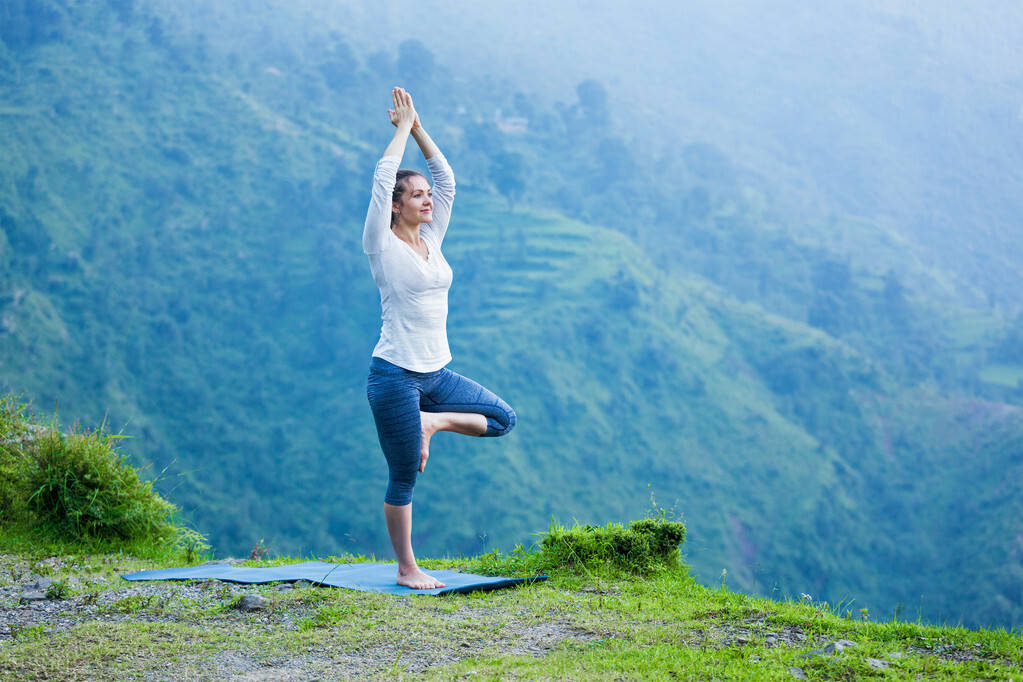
396	396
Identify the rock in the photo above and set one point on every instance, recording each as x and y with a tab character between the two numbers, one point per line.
253	602
837	647
285	586
32	595
877	663
222	562
301	583
896	655
831	648
797	673
40	584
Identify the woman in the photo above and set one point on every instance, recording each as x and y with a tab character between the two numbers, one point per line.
411	392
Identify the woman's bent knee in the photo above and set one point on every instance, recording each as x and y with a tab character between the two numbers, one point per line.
502	422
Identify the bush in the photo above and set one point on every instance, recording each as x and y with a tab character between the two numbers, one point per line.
75	487
664	536
80	484
14	432
640	547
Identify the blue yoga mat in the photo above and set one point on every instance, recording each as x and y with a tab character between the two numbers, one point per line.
377	577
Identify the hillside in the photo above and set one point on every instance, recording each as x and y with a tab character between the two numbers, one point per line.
179	255
606	626
616	602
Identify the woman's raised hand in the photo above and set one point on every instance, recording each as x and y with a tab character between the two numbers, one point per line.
403	112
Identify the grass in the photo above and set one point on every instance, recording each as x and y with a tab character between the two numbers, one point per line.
593	619
73	492
601	624
618	604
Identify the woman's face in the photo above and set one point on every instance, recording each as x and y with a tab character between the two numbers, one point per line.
416	201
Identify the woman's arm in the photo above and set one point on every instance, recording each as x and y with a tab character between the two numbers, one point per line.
443	179
378	217
425	142
443	191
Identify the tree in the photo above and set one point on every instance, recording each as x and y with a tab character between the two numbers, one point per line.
339	69
508	173
25	23
709	163
123	8
593	103
1009	348
832	275
616	162
894	304
155	33
415	63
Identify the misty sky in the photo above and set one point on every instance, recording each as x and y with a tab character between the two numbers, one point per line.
907	115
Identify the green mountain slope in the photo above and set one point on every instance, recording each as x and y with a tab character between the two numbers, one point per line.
180	255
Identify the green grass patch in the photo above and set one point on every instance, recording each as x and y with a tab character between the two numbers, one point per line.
604	623
640	547
70	492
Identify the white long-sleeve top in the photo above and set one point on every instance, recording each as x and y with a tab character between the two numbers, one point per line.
413	291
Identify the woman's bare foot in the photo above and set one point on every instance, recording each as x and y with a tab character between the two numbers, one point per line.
418	580
468	423
430	424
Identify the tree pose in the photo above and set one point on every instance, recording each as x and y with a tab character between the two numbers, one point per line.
411	392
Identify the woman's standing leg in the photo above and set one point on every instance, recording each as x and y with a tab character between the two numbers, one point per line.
394	398
408	409
399	529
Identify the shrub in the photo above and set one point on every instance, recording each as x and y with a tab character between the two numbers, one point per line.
664	536
80	484
75	487
640	547
14	432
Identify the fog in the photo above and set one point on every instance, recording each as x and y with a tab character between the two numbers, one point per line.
907	114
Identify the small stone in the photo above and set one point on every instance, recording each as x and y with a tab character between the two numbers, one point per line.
284	587
253	602
837	647
42	584
877	663
302	583
222	562
896	655
797	673
32	595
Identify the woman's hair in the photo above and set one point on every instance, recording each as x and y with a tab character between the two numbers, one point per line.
401	185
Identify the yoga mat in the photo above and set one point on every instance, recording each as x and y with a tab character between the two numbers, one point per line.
375	577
